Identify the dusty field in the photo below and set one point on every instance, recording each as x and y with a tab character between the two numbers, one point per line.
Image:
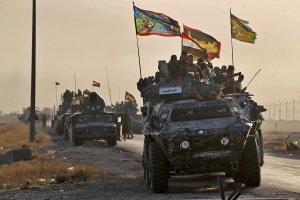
44	169
14	135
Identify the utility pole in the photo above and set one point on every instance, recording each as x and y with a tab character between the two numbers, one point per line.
33	74
274	112
293	109
279	111
270	108
286	110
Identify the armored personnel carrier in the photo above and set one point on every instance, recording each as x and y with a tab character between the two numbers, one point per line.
186	136
88	121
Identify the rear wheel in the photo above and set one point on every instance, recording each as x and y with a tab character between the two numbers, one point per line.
158	169
251	163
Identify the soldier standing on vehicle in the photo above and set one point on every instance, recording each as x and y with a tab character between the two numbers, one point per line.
44	120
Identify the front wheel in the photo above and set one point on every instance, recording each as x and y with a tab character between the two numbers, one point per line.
146	162
251	163
158	169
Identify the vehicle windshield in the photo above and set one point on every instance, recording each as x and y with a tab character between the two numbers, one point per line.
198	113
95	118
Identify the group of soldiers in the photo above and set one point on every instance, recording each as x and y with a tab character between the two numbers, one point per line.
201	71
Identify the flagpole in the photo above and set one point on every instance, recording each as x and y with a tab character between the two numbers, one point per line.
182	38
75	81
231	39
108	86
137	45
56	93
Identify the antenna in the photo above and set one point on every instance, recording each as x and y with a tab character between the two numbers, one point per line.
108	87
251	79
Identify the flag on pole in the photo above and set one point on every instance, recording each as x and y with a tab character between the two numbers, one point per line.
129	97
152	23
57	83
96	84
241	31
200	44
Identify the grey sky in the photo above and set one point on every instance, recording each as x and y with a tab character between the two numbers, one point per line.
86	36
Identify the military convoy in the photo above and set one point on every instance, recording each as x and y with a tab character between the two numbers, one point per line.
185	135
85	119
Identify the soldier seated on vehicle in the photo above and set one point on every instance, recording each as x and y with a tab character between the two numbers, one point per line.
180	68
223	70
191	67
238	84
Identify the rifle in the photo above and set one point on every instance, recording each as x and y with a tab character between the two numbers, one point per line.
226	78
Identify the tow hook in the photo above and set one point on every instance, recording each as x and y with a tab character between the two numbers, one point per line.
234	165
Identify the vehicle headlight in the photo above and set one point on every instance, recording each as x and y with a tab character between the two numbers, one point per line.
93	108
224	141
200	132
185	144
156	133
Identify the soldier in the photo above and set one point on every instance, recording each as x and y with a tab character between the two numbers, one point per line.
180	68
191	67
223	70
129	125
44	120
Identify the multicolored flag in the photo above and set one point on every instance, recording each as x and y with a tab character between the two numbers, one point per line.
152	23
129	97
96	84
202	45
241	31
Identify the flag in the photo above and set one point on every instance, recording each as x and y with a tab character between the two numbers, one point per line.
96	84
200	44
57	83
129	97
241	31
86	91
152	23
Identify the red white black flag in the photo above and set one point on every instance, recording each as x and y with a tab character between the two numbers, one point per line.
96	84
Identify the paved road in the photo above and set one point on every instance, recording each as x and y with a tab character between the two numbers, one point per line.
280	173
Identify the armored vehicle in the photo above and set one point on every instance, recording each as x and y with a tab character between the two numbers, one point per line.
186	136
88	121
92	126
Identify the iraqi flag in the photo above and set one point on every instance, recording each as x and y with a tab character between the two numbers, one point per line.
96	84
200	44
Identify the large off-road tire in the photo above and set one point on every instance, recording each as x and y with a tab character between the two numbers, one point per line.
112	141
262	149
251	163
145	162
158	169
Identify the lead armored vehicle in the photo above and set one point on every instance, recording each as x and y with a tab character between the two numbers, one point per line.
186	136
89	121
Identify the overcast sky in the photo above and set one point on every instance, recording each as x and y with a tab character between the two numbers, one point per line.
86	36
